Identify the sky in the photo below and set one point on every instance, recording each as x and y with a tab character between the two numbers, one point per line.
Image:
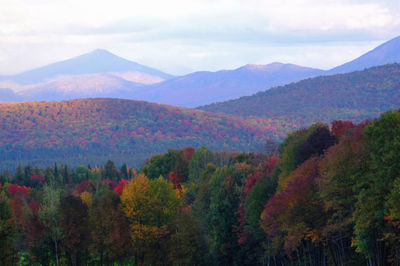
182	36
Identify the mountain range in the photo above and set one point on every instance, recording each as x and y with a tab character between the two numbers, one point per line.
128	131
103	74
94	130
352	96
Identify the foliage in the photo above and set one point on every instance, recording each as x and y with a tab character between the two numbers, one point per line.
91	131
353	96
383	147
150	206
330	198
7	231
73	221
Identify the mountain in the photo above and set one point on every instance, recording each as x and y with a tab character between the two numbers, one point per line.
352	96
98	61
103	74
386	53
205	87
95	130
83	86
8	95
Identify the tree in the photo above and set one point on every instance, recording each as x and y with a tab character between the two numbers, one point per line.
111	171
198	162
294	216
109	235
49	216
81	173
317	142
159	165
254	204
74	222
8	252
222	216
150	206
383	146
342	166
19	176
186	245
301	145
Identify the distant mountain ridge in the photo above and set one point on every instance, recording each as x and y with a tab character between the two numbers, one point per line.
86	86
204	87
352	96
386	53
103	74
97	61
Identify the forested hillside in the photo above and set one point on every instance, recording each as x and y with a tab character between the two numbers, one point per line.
95	130
328	195
353	96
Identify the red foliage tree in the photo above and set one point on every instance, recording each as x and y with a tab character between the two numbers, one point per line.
295	212
84	186
339	127
120	186
37	178
271	162
15	189
188	152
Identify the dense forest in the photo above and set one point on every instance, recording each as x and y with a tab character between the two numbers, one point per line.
328	195
93	130
353	96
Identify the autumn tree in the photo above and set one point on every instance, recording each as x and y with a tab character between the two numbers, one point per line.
74	222
341	168
383	146
186	245
109	232
150	206
8	252
49	216
293	217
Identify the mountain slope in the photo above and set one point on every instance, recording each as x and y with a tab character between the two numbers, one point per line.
94	130
98	61
83	86
352	96
386	53
8	95
205	87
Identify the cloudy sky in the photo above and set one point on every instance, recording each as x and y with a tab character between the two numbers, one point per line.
180	36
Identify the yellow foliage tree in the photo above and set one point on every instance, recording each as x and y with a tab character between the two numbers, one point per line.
150	206
87	198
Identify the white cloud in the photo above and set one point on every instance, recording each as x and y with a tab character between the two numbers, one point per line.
198	34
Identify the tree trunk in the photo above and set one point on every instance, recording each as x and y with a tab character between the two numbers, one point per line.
56	247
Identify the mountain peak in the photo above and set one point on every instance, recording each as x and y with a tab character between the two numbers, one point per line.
278	66
274	65
386	53
101	51
102	54
96	61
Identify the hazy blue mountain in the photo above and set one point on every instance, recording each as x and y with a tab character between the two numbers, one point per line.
98	61
103	74
8	95
386	53
205	87
83	86
351	96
